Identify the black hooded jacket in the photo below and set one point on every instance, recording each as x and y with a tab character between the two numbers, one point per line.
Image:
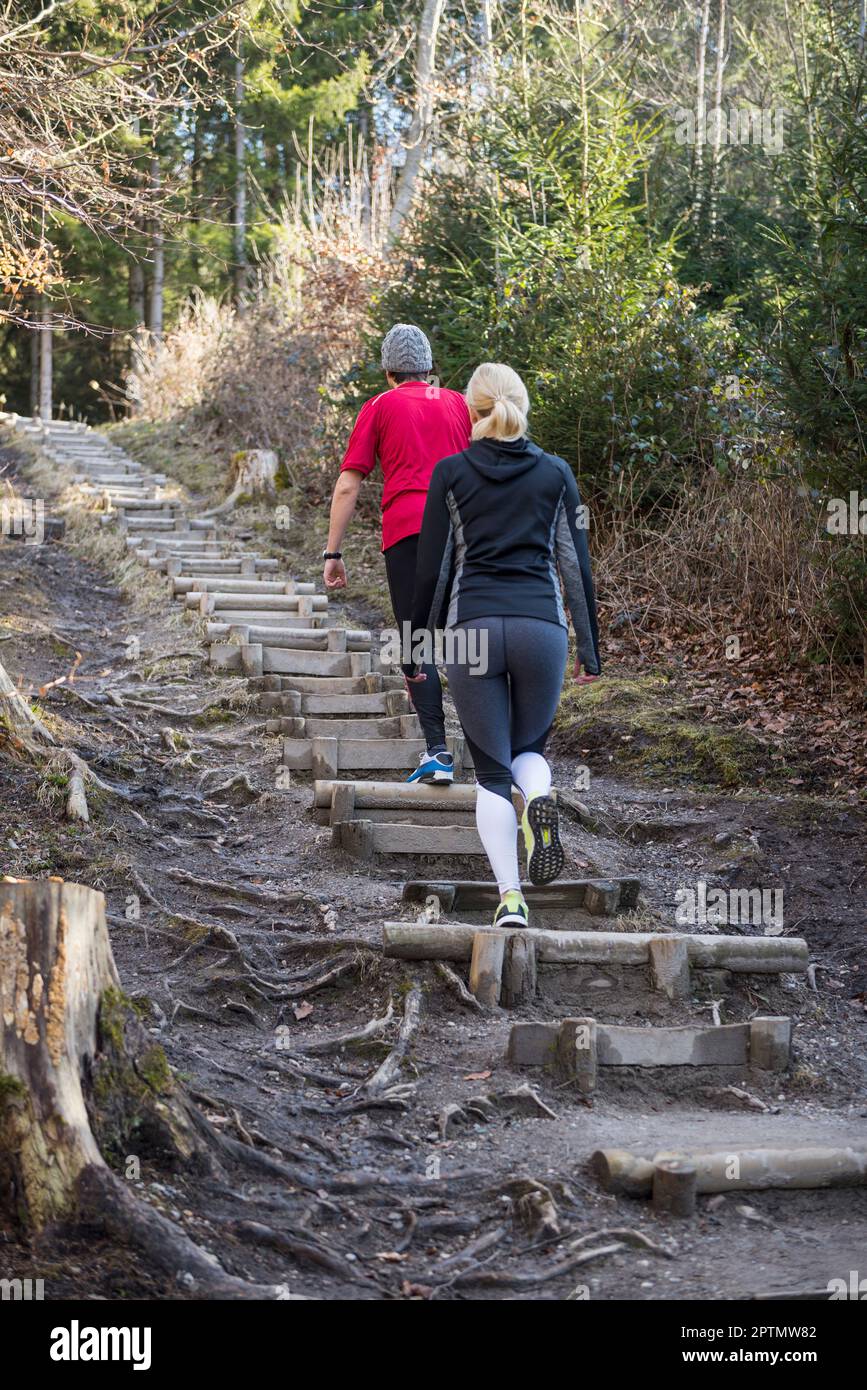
500	519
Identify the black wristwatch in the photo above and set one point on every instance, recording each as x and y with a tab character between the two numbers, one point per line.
332	554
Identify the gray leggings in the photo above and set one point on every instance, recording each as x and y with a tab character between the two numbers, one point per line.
510	708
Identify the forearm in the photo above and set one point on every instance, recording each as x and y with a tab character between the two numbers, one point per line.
342	507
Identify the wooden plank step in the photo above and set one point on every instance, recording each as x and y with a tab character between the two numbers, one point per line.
365	838
226	656
383	729
327	756
371	683
384	702
285	661
742	954
603	897
763	1042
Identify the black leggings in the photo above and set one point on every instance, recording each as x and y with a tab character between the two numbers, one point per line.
427	696
506	701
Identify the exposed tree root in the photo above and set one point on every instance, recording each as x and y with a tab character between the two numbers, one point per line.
388	1073
374	1029
457	986
105	1202
301	1246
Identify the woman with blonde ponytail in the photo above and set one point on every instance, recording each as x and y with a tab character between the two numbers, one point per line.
501	518
498	402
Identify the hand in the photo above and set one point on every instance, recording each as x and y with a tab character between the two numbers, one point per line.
414	679
334	574
581	676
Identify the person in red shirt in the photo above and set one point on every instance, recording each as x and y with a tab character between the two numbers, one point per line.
407	429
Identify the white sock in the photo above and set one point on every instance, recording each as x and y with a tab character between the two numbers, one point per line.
532	774
498	831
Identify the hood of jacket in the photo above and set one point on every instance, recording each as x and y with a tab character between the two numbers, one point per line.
501	459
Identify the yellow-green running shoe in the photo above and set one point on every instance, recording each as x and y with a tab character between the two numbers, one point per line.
512	912
541	826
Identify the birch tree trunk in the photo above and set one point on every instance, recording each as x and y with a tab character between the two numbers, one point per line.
46	363
419	130
240	268
136	287
35	316
716	146
700	115
158	270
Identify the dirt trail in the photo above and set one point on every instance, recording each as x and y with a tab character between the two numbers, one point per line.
389	1208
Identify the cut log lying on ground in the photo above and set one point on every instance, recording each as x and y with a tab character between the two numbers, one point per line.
752	954
81	1078
747	1170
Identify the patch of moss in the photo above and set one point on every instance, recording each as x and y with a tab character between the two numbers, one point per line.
643	724
10	1086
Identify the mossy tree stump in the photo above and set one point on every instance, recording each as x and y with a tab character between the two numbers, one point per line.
81	1080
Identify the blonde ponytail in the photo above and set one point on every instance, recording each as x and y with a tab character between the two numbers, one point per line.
499	397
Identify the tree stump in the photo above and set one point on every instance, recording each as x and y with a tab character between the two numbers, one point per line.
82	1081
255	476
75	1059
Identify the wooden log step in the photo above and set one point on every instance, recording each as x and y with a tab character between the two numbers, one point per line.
150	524
246	618
550	1045
321	639
136	490
252	587
257	596
365	838
189	544
397	796
742	954
197	569
744	1170
603	897
150	506
116	478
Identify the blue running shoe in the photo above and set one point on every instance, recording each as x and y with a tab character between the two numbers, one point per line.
434	767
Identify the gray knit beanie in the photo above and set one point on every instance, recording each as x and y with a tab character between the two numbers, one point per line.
406	349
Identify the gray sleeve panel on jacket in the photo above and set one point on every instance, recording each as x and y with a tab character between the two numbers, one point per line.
573	559
458	545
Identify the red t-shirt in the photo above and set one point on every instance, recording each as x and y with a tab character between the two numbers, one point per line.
409	429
